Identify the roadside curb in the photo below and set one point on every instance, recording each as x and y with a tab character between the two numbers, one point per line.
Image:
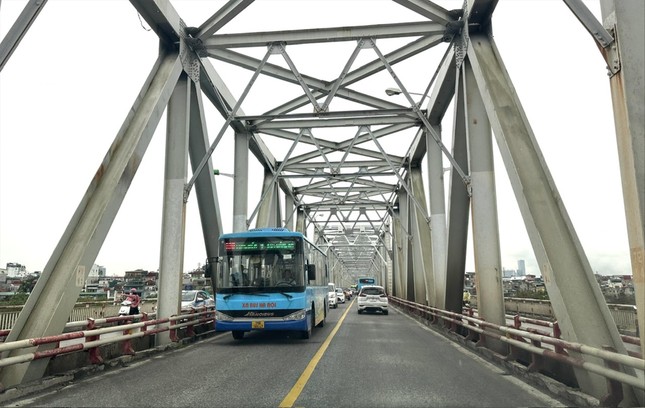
536	379
61	380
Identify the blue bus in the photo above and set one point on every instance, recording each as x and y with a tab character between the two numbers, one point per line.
365	281
270	279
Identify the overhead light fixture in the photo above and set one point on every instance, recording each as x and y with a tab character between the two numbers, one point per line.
392	91
397	91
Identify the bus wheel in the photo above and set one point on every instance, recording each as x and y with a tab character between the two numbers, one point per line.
238	334
310	322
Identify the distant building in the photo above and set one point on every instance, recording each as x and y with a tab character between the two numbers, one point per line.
16	270
97	271
469	282
93	281
4	287
136	279
196	279
521	268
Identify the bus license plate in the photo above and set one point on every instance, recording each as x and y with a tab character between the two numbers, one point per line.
259	324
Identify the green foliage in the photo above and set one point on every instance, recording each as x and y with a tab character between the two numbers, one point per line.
529	294
17	299
20	298
27	284
91	297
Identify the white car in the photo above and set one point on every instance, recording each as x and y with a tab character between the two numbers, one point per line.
193	299
340	295
372	299
332	299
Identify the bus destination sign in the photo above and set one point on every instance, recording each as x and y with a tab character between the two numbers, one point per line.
273	245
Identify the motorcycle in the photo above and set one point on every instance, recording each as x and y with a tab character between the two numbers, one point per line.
124	310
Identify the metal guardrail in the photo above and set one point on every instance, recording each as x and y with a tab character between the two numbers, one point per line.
82	311
625	316
541	345
119	329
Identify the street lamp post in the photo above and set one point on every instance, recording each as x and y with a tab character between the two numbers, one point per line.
397	91
216	172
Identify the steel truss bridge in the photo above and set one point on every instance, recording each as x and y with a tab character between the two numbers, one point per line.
349	167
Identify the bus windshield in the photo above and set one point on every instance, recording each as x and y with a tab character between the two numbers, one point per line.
261	263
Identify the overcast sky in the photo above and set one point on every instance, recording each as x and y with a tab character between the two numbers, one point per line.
68	87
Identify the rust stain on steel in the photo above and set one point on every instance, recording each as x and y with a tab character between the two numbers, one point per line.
57	338
57	351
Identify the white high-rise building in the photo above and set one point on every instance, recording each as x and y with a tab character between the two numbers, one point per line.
97	271
16	270
521	268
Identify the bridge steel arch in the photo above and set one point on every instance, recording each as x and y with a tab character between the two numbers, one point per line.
326	172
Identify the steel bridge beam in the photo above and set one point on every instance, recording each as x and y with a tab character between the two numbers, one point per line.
317	35
19	29
486	247
575	295
422	259
171	263
47	308
626	20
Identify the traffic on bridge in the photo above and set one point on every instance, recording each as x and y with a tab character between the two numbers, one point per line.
334	180
361	360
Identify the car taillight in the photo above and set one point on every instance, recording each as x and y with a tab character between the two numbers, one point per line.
383	295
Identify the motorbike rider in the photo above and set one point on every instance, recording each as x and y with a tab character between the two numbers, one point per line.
135	300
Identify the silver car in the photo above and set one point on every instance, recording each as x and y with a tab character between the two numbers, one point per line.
340	295
372	299
194	299
331	296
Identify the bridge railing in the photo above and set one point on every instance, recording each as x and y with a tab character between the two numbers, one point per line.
92	334
82	311
625	316
617	368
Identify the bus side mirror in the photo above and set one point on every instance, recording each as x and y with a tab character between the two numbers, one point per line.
311	272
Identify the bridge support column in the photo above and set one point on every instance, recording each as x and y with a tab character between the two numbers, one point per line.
289	212
52	299
625	19
205	187
400	251
173	223
388	254
422	270
575	295
487	253
269	214
403	246
458	213
241	186
437	219
301	221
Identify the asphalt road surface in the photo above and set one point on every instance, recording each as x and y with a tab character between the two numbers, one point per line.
367	360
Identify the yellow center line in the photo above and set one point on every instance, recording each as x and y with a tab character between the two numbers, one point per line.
293	395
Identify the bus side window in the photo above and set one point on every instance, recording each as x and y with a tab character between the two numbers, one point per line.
311	272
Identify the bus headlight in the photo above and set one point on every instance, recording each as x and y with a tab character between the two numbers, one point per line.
222	317
299	315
